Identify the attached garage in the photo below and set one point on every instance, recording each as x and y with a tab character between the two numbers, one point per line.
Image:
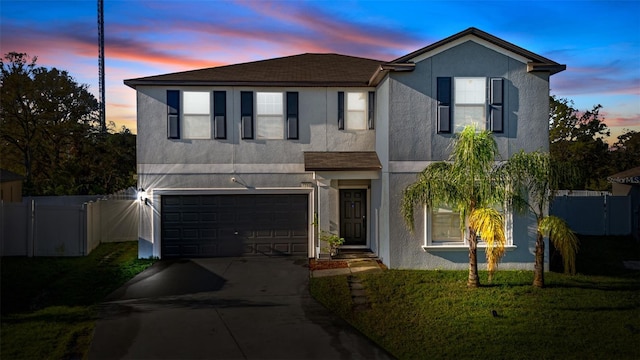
234	225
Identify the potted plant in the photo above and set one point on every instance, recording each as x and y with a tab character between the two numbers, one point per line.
334	241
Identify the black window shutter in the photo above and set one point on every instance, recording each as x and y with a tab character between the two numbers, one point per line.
341	110
292	115
444	104
371	109
246	114
496	105
173	114
220	114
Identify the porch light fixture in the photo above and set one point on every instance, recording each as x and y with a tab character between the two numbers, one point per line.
142	195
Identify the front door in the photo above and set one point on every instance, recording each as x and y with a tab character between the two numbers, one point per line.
353	216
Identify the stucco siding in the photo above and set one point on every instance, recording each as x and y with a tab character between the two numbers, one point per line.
414	143
406	247
413	105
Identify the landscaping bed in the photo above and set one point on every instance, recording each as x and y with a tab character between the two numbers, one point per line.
315	264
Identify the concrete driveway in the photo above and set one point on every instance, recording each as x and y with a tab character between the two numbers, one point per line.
224	308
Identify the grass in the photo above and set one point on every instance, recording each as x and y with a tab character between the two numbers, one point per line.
48	305
433	315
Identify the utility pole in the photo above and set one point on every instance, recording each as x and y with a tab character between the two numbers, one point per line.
101	85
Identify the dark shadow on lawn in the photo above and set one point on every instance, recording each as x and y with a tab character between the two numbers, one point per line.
125	308
169	278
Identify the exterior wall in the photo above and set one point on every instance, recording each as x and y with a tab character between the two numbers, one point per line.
406	247
414	143
167	166
380	187
413	106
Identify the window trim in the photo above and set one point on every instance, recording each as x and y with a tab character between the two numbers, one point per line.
493	106
186	115
428	245
368	110
458	106
280	117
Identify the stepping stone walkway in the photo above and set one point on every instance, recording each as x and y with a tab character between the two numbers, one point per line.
358	294
359	298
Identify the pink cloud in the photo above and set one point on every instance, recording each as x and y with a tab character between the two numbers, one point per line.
331	33
618	120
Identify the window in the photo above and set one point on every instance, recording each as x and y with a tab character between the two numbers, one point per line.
442	229
445	227
189	114
470	99
196	122
269	116
356	110
469	103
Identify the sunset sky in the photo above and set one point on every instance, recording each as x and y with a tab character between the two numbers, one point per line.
599	41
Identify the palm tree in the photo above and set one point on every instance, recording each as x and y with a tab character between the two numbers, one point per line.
467	184
533	179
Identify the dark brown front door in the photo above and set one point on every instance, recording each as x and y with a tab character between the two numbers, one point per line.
353	221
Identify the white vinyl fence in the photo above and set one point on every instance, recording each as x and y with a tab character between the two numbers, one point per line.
66	225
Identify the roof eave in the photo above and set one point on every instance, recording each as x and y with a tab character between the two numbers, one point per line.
343	169
384	69
133	83
552	68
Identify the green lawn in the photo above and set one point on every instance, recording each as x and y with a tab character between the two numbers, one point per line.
48	304
433	315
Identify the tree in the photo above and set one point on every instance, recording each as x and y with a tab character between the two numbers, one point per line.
50	133
533	179
468	184
18	114
576	139
626	151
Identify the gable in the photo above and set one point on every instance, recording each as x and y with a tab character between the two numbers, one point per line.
487	40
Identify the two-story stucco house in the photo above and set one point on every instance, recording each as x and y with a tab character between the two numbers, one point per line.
257	158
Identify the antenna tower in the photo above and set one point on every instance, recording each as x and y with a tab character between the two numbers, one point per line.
101	85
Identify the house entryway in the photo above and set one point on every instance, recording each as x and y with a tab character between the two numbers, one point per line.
353	216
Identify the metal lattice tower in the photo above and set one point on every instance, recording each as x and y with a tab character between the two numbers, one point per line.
101	85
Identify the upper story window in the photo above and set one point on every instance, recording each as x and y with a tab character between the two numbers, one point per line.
189	114
356	110
269	115
276	115
468	100
196	122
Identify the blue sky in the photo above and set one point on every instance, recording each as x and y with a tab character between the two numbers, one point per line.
599	41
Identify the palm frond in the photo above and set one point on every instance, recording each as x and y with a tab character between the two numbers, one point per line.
489	223
564	240
432	188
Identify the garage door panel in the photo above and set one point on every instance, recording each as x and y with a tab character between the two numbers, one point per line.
188	217
234	225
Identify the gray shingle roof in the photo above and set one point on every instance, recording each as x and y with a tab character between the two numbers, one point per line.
296	70
306	70
6	175
341	160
